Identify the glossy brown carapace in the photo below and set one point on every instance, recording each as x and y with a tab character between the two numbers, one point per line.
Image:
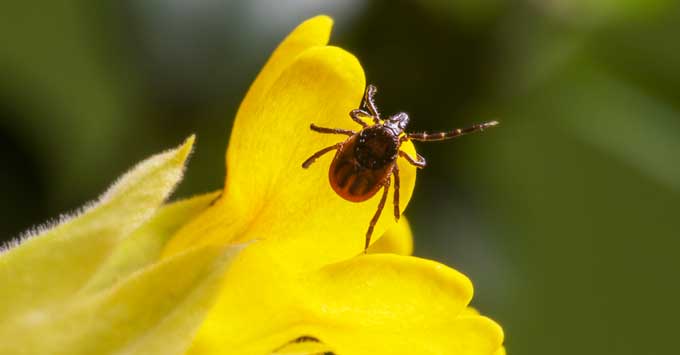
363	163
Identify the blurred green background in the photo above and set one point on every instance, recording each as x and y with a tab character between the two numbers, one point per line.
565	217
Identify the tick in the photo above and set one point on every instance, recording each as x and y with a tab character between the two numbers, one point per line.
366	161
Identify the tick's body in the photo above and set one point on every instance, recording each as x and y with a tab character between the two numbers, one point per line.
363	163
367	160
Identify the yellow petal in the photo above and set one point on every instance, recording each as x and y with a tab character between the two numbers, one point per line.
258	299
302	346
312	33
397	240
269	196
385	288
51	266
368	296
470	311
461	336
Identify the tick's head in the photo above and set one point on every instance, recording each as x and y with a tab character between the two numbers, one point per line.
398	121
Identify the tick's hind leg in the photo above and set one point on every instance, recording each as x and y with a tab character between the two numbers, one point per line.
374	220
318	154
316	128
395	173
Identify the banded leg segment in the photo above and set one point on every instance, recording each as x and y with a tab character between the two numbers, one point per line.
316	128
440	136
395	173
369	102
376	216
318	154
356	115
419	163
324	350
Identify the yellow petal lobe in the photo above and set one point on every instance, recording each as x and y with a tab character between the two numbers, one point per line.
463	336
385	288
312	33
355	306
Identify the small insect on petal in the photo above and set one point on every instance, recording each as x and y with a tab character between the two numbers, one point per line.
366	162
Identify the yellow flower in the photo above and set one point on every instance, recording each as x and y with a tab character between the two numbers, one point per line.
273	264
267	195
303	276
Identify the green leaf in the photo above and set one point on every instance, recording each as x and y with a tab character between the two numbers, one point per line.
92	283
154	311
145	244
51	265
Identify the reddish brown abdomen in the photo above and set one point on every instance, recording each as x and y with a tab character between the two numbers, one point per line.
352	181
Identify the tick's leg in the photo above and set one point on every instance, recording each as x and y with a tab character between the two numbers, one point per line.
303	339
356	115
318	154
300	339
395	173
369	102
316	128
420	163
374	220
214	201
440	136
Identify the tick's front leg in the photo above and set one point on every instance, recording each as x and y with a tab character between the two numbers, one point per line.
420	163
316	128
356	115
318	154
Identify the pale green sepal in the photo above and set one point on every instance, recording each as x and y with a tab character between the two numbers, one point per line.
50	265
144	245
154	311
